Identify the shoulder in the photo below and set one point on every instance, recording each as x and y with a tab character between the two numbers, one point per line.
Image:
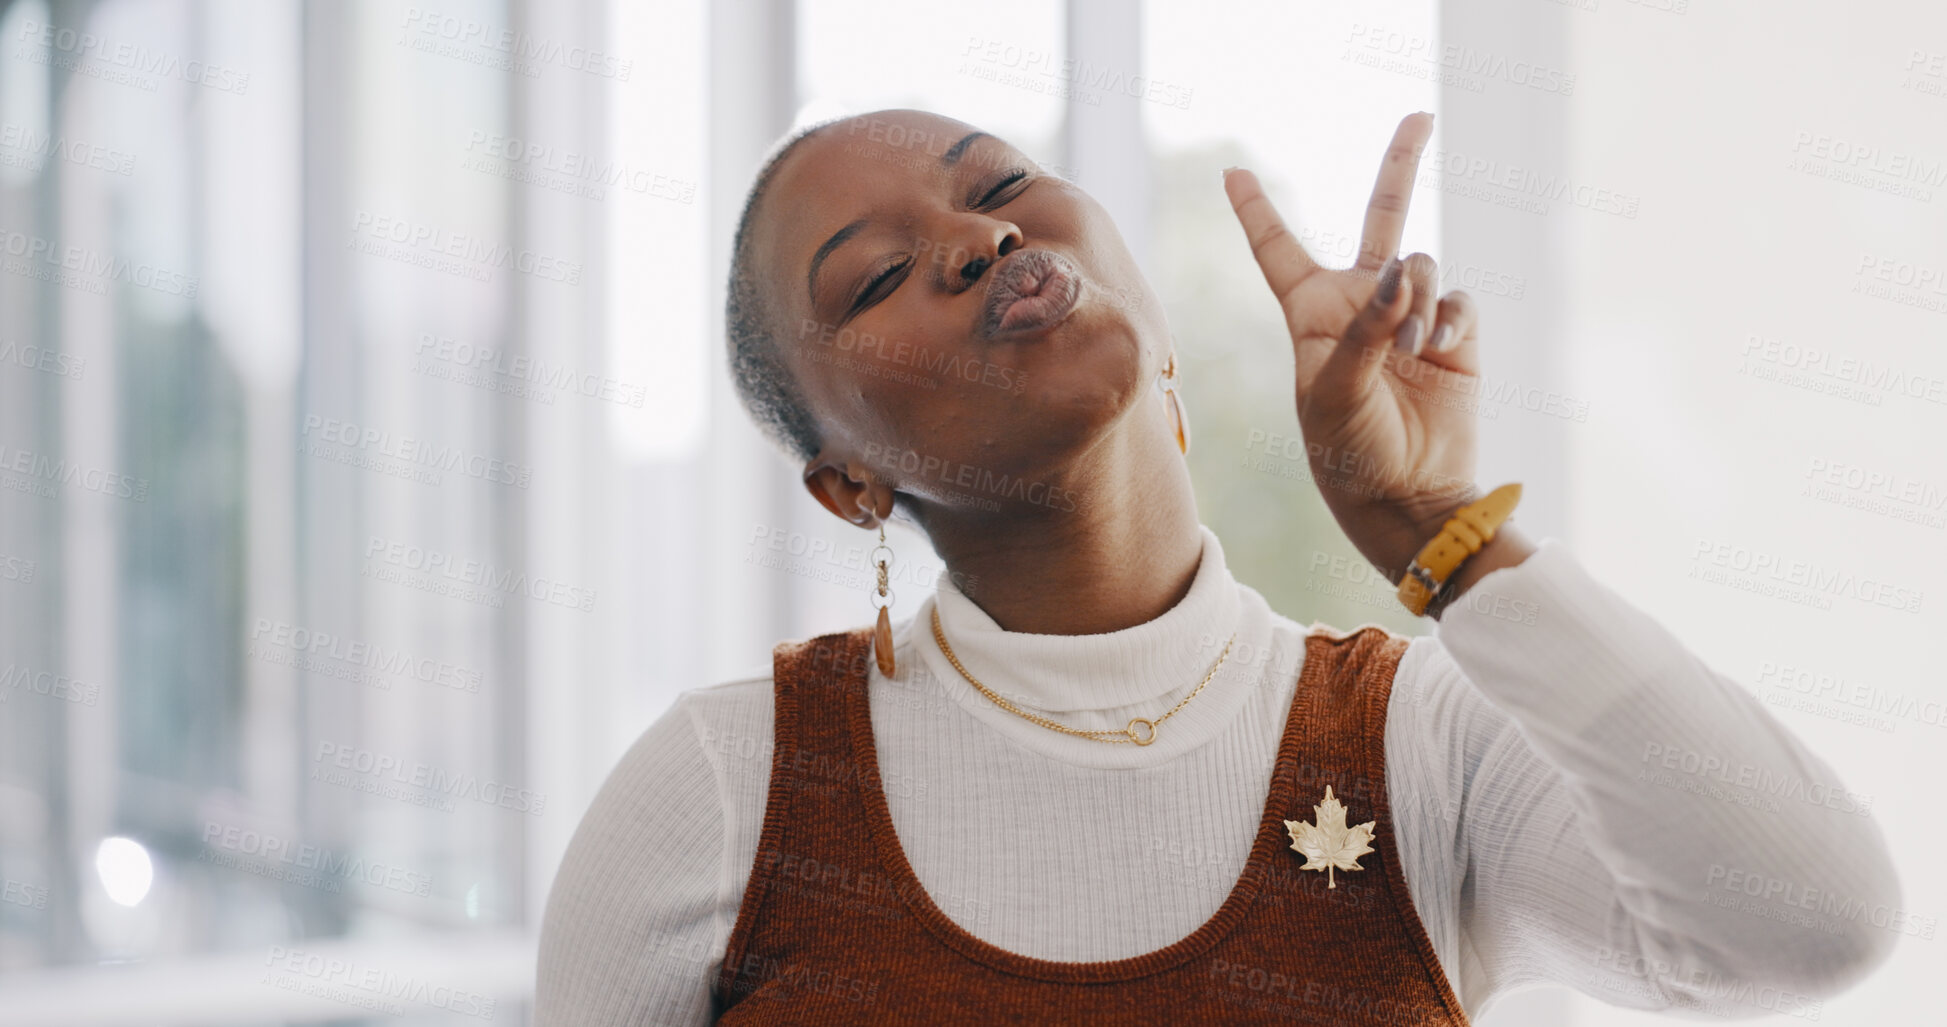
633	920
663	780
1370	654
743	700
671	782
731	724
656	825
1366	634
1437	721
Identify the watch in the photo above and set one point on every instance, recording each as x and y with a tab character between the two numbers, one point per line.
1471	527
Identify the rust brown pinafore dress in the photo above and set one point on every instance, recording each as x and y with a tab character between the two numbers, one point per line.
835	929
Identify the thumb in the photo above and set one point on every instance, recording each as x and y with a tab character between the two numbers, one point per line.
1354	364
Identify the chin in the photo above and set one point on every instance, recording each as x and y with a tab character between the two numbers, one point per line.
1073	401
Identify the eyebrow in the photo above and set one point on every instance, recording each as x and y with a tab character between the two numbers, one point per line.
948	159
818	259
952	154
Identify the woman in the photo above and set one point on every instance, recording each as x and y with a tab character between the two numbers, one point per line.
1101	780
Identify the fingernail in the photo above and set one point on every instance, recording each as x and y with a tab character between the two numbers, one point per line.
1389	281
1407	339
1441	339
1227	172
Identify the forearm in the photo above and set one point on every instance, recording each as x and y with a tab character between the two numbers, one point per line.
1687	790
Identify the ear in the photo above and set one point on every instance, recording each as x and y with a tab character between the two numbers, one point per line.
848	490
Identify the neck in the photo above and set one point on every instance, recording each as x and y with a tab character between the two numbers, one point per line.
1124	556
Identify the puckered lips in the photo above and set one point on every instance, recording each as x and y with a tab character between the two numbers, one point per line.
1028	292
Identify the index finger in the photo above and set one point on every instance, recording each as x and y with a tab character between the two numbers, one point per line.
1279	254
1393	192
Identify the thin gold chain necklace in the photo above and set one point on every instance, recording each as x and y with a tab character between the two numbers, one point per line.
1129	733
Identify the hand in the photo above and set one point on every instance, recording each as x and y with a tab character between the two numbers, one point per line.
1391	439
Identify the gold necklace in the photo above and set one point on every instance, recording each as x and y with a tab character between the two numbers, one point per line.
1129	733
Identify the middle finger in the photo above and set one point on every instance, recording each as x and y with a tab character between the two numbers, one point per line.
1422	271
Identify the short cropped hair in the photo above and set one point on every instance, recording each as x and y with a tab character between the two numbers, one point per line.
764	381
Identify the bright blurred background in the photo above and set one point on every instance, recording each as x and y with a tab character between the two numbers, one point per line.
370	477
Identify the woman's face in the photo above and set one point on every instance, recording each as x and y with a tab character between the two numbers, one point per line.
951	312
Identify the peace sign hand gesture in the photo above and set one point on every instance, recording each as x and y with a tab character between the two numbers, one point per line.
1389	436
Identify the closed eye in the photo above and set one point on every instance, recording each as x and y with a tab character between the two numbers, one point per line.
881	285
998	194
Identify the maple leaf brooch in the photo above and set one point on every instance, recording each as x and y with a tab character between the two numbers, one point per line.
1330	845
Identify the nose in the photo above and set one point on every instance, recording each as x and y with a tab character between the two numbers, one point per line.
988	239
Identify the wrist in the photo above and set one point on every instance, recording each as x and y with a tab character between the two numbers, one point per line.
1418	521
1411	524
1507	548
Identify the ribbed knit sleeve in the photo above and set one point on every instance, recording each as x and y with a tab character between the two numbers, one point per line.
633	931
1632	823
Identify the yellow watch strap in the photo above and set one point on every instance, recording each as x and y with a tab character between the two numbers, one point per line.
1471	527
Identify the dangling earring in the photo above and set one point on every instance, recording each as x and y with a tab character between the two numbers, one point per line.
1174	403
882	634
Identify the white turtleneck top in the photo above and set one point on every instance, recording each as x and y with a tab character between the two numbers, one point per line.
1577	800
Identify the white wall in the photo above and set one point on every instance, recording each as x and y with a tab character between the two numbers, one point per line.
1714	116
